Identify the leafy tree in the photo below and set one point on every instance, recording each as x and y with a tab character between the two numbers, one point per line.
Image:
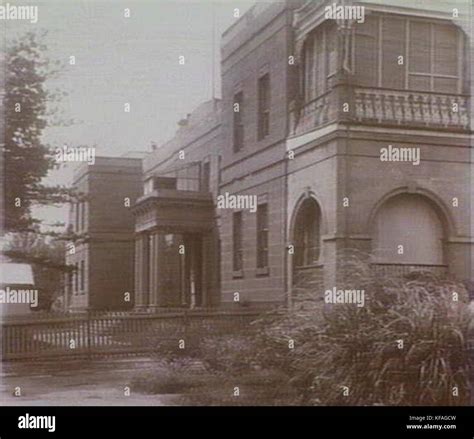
26	158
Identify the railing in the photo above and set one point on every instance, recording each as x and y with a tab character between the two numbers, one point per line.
99	334
383	106
312	115
412	108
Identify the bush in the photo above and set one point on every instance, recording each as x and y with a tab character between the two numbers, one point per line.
349	355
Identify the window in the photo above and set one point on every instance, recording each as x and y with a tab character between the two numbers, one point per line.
263	106
429	54
366	52
82	275
433	64
262	236
76	278
320	61
78	212
238	121
309	88
237	241
307	234
206	177
83	215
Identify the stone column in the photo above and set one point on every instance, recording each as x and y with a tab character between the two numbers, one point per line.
138	271
154	269
141	271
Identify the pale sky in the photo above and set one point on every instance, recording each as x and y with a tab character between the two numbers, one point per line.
128	60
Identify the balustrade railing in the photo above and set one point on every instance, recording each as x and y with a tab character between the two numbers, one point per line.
401	108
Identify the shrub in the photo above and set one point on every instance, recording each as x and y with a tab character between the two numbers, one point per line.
349	355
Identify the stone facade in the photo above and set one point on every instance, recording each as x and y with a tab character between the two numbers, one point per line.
103	224
312	111
177	228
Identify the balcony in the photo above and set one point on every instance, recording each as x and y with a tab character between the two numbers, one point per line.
178	200
405	108
377	106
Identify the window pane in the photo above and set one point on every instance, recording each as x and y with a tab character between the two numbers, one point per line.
445	50
419	47
446	85
237	241
78	207
262	236
309	66
82	273
366	67
206	177
331	45
238	121
263	106
420	83
393	46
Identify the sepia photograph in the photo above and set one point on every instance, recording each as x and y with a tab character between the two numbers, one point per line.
226	203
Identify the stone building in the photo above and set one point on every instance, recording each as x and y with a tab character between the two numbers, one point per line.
102	255
380	135
335	131
176	225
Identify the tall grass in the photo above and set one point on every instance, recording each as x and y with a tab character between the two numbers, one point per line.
406	346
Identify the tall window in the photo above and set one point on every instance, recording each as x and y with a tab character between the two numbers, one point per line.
238	121
76	278
263	106
83	215
307	234
433	64
206	177
262	236
82	274
320	61
78	213
237	241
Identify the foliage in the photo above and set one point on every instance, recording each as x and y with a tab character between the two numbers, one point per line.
27	104
349	355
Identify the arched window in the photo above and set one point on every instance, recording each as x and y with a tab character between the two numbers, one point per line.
408	231
307	234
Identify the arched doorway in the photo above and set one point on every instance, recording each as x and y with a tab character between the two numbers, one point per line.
408	233
307	235
306	238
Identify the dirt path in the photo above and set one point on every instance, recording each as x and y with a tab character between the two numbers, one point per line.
79	382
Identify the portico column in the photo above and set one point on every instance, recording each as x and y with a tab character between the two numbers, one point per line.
154	269
141	271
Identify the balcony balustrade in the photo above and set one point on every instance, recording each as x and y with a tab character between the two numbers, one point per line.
402	108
